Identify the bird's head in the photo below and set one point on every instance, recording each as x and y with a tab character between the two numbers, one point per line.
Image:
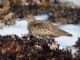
29	18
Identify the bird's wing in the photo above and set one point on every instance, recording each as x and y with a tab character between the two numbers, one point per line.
46	29
41	30
57	31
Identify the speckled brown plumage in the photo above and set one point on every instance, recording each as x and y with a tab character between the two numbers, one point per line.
44	29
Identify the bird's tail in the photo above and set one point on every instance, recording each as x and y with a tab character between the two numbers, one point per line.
62	33
67	34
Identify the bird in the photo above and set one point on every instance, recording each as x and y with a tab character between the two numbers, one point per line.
43	29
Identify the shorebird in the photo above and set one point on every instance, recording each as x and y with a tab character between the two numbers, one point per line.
43	29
